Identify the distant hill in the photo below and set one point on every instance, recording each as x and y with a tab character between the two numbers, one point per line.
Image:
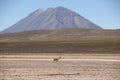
51	19
61	34
61	41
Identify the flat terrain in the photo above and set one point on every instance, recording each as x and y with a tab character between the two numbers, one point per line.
86	55
84	67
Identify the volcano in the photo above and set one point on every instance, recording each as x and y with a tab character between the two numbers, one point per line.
51	19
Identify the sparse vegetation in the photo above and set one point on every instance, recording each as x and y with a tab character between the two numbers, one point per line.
61	41
92	44
86	45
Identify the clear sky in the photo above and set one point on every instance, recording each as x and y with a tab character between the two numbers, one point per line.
105	13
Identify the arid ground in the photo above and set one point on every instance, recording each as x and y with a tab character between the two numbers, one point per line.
86	55
75	67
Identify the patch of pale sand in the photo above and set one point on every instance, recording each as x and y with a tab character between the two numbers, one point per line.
24	59
64	70
65	56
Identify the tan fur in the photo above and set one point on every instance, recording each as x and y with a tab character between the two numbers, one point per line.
56	59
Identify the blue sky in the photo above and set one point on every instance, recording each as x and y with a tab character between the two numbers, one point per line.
105	13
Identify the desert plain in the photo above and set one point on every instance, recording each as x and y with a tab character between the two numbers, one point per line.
69	67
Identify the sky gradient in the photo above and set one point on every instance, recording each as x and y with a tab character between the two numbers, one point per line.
104	13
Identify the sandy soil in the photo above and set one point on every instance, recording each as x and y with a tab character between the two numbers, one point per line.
32	68
64	56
